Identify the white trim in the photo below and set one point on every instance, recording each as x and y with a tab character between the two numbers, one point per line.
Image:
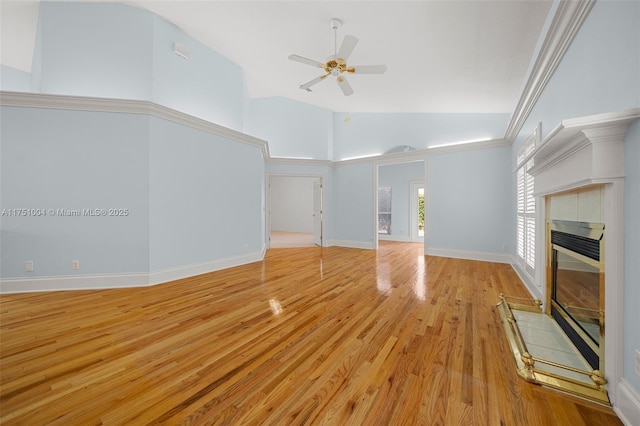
298	161
127	106
493	143
400	157
110	281
628	406
566	22
527	280
470	255
575	134
132	106
68	282
186	271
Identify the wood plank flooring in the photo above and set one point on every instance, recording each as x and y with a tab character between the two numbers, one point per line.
332	336
285	239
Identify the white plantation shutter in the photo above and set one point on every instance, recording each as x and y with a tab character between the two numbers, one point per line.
521	212
530	213
526	208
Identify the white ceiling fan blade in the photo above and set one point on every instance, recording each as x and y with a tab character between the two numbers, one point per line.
307	61
368	69
347	46
345	86
316	80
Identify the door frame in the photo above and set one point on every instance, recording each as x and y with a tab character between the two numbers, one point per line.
389	162
413	200
267	216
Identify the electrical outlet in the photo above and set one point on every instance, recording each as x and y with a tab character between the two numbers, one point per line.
637	362
75	264
505	246
28	265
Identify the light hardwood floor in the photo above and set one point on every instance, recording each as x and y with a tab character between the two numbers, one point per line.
284	239
308	336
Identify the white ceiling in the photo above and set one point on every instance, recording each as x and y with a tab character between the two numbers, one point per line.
442	56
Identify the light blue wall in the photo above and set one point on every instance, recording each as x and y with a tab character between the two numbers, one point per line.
468	199
369	133
206	199
206	85
599	74
176	183
399	177
59	159
115	51
14	80
353	203
95	49
293	129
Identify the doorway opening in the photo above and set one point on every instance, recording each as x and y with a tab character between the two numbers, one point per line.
294	211
417	211
400	201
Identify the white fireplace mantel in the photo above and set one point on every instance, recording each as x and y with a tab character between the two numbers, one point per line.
579	153
582	151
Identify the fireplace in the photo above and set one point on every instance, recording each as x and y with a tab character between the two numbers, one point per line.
577	293
578	170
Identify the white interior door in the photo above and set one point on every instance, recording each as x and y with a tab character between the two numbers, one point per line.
317	212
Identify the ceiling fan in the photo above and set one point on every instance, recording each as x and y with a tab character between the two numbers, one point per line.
336	64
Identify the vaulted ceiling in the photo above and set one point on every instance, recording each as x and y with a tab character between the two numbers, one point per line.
441	56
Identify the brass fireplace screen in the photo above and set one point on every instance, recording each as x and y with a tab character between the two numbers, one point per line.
574	314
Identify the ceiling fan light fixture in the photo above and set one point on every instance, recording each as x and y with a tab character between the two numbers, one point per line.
337	63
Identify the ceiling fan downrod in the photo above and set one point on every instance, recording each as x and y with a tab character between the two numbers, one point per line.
335	23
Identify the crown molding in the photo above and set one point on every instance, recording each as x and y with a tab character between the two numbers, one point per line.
132	106
567	20
298	161
493	143
127	106
401	157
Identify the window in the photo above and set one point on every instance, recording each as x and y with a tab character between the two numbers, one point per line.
526	206
384	210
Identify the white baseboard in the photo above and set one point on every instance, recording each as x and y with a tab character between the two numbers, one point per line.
470	255
180	272
142	279
75	282
351	244
627	404
527	280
